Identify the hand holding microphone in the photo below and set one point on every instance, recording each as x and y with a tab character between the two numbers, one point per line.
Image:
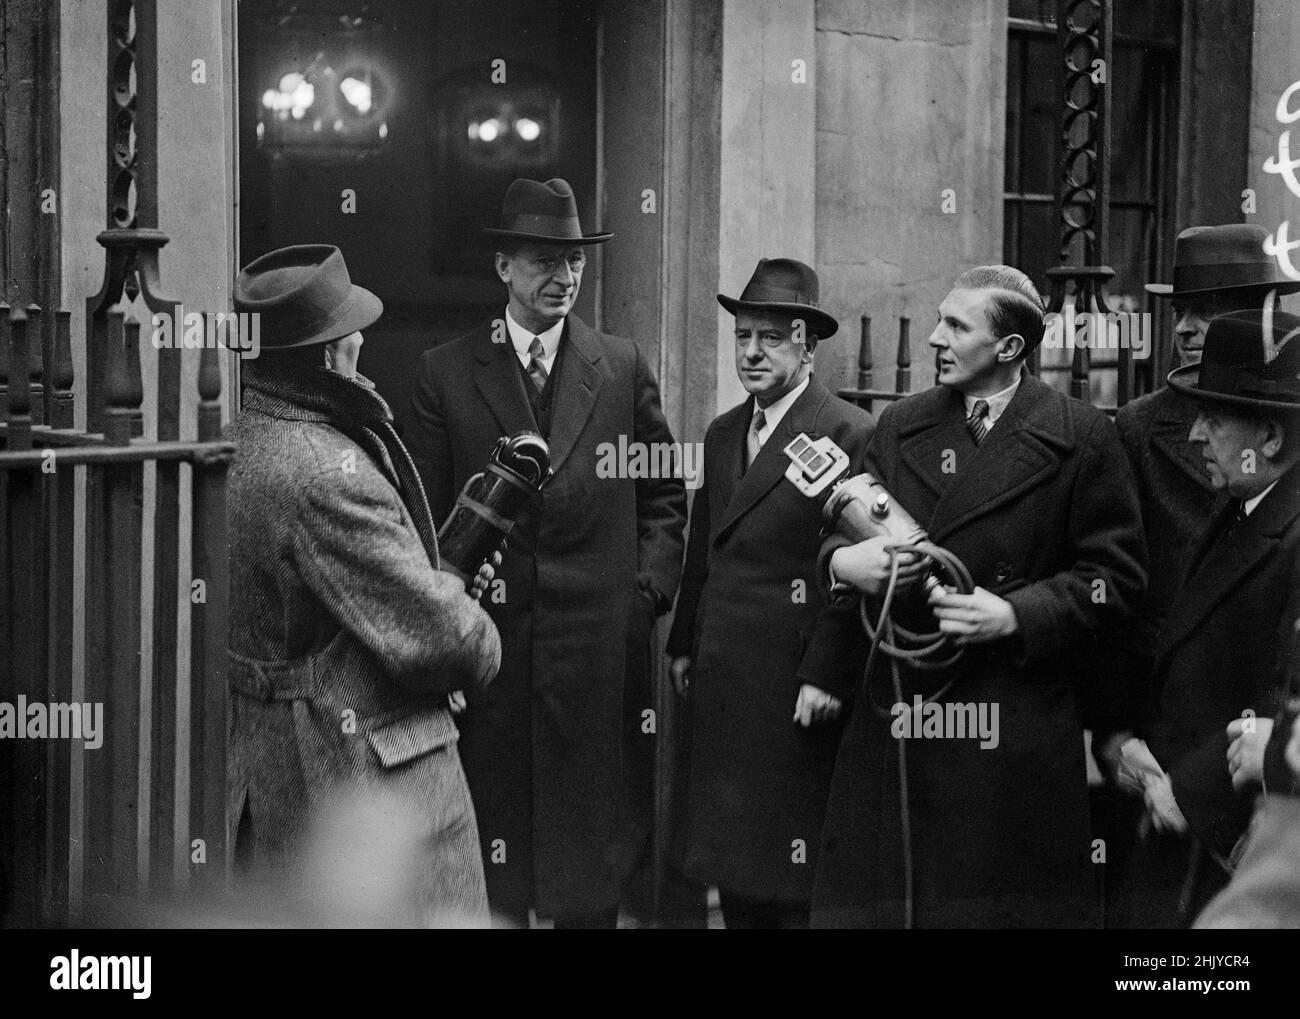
470	539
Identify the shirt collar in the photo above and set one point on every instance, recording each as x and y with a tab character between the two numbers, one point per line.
773	414
1248	507
997	402
522	339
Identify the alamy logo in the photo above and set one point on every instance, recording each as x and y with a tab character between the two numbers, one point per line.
639	460
1097	330
240	332
53	721
77	972
951	720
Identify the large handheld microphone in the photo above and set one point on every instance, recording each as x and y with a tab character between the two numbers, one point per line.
860	508
486	508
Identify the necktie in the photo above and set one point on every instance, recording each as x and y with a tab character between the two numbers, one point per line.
977	423
755	442
537	370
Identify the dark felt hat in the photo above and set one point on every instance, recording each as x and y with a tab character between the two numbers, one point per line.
1251	360
304	296
1228	257
788	286
543	212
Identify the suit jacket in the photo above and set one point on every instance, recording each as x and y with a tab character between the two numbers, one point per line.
344	638
748	617
1223	650
555	746
1043	513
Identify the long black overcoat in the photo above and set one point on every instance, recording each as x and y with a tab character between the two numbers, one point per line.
549	748
748	615
1043	513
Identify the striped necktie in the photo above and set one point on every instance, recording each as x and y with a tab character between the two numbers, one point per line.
755	441
977	423
536	370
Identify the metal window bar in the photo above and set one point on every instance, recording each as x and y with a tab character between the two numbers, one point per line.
43	460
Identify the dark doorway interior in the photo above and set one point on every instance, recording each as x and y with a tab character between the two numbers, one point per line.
387	128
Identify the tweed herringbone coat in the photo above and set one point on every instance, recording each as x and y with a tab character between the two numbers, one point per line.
344	639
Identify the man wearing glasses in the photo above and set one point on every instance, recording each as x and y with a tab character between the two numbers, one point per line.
555	753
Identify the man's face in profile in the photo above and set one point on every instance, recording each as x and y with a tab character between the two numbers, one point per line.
1224	437
964	344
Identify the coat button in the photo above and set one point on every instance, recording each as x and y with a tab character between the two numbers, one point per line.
1003	573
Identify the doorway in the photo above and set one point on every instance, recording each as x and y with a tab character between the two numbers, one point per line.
392	129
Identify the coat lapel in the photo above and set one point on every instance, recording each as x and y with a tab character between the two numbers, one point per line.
1022	450
1169	430
770	465
728	445
498	378
575	396
1227	559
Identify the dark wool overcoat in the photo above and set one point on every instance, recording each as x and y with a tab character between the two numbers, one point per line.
344	638
555	746
747	615
1178	502
1224	649
1043	513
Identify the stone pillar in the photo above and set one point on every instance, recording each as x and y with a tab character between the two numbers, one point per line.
768	158
911	112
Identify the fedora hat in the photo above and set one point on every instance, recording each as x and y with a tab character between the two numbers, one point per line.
1251	360
1212	258
546	213
304	296
788	286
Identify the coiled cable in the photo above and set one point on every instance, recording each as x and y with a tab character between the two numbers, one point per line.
916	649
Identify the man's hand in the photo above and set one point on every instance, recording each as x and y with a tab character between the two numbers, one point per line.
1163	808
456	701
1246	751
815	705
484	576
1137	767
866	565
974	618
680	671
650	601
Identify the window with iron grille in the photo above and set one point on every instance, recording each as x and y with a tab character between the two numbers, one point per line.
1144	94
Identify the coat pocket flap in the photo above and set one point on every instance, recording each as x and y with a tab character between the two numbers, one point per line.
407	738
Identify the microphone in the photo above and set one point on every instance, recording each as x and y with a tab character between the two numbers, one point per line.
486	508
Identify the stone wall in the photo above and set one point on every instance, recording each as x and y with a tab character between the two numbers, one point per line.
911	101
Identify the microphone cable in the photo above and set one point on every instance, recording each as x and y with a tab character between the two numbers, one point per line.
902	645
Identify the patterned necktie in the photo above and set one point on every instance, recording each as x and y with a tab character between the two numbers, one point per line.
536	370
977	423
756	443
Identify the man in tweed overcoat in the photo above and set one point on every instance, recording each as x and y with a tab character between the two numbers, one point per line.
345	637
